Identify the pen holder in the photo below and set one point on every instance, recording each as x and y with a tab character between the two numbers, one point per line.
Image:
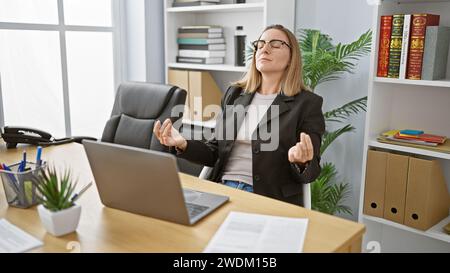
19	188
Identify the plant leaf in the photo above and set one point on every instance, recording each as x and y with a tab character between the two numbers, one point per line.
329	137
345	111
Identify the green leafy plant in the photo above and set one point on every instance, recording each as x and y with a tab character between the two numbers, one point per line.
55	189
323	62
328	198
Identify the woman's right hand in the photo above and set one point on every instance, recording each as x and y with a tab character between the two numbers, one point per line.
169	136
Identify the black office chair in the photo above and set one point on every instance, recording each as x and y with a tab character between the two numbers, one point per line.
136	108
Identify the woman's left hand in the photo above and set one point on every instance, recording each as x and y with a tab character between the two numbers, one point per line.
303	151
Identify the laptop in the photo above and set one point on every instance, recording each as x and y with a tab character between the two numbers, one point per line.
146	182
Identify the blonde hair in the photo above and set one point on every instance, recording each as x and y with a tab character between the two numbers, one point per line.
292	79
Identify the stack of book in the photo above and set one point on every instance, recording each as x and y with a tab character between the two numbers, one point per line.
201	45
416	137
188	3
412	46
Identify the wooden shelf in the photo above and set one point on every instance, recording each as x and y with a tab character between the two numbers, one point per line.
210	67
440	83
219	8
406	149
434	232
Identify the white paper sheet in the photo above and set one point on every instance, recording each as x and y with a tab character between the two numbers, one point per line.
250	233
14	240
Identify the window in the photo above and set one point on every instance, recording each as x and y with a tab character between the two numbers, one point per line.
32	96
29	11
57	65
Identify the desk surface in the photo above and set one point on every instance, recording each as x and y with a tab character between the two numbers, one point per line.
103	229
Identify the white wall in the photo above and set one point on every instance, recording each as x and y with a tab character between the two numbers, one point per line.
135	40
144	32
344	21
154	16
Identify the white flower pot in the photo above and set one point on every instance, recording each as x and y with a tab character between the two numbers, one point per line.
61	222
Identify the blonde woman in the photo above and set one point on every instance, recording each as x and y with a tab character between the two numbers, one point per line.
274	81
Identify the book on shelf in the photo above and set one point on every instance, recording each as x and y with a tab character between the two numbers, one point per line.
417	139
193	3
189	1
405	46
423	137
200	29
437	43
419	23
395	48
200	41
203	47
384	44
204	35
200	60
200	53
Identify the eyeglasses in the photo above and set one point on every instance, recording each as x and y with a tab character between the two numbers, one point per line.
273	44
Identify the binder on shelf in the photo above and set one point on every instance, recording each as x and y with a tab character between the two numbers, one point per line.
202	85
180	78
427	197
202	91
375	183
395	191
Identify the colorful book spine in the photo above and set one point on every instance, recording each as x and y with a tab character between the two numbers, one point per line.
199	60
384	44
405	46
395	49
200	41
418	30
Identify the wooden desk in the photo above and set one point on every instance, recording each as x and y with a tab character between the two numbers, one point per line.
102	229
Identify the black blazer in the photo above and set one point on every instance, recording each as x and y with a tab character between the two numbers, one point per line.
273	175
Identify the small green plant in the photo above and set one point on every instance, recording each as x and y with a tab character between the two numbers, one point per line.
55	189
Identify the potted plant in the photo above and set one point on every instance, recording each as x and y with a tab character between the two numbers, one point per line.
322	62
58	212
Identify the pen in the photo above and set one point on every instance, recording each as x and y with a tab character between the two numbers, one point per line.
23	164
19	169
78	195
38	156
11	177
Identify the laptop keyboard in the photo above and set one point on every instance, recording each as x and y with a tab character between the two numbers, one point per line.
195	209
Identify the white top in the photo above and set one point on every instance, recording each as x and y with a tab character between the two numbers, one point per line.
239	166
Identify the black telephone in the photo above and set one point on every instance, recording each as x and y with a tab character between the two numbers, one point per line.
14	135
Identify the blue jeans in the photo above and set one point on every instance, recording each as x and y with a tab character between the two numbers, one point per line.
238	185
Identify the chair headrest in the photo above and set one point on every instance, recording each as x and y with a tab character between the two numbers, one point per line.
143	100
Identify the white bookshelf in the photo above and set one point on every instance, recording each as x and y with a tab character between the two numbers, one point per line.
246	7
415	151
437	83
434	232
207	124
402	104
212	67
254	16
